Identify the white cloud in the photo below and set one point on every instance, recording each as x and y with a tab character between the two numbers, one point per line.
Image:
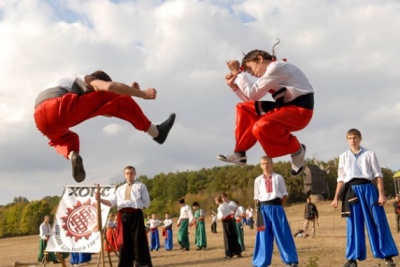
348	49
112	129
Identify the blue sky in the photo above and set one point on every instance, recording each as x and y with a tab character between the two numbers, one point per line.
348	50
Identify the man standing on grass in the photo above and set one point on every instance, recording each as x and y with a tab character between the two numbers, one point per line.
185	218
362	203
200	235
131	198
271	194
310	216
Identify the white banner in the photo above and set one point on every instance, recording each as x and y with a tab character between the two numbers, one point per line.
75	224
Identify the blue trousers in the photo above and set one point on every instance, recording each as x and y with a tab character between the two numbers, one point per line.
79	258
169	244
155	240
367	211
276	226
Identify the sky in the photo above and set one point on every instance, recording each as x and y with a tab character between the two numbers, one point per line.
349	51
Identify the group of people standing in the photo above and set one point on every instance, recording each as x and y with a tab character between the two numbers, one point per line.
152	225
72	100
76	258
362	202
229	212
188	219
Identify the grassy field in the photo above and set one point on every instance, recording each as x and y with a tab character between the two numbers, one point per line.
326	249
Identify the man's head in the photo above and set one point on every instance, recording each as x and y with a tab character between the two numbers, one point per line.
195	205
266	164
130	174
46	218
219	199
101	75
354	138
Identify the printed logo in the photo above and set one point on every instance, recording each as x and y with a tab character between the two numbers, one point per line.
81	220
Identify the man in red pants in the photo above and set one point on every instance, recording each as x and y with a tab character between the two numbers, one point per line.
74	99
271	123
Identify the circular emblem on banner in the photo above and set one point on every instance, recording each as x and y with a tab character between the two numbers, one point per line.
81	220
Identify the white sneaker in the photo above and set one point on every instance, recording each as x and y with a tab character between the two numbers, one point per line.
233	158
298	162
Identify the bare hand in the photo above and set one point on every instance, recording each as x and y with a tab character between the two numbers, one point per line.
149	93
230	81
233	66
381	200
229	76
135	85
334	203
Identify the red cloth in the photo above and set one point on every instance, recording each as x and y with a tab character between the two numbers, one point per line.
120	226
268	184
111	235
55	116
227	218
272	130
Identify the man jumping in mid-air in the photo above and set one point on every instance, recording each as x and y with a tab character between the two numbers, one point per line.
74	99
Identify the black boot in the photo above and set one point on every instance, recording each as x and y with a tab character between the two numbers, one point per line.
164	128
78	172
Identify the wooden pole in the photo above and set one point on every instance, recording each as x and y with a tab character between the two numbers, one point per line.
99	225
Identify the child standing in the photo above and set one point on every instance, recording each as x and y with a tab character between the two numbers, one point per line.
111	234
154	223
271	123
362	201
200	238
232	246
184	220
271	194
167	232
240	214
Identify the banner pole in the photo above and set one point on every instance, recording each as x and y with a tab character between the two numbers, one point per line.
99	226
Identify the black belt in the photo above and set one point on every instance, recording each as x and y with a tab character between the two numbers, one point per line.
275	201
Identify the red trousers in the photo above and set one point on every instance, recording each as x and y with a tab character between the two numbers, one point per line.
55	116
272	130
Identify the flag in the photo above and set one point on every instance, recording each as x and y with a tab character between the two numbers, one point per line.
75	223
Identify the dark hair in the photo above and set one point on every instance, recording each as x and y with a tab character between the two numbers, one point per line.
101	75
354	132
195	204
253	55
130	168
219	199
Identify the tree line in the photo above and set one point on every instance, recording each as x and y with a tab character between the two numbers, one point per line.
23	217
